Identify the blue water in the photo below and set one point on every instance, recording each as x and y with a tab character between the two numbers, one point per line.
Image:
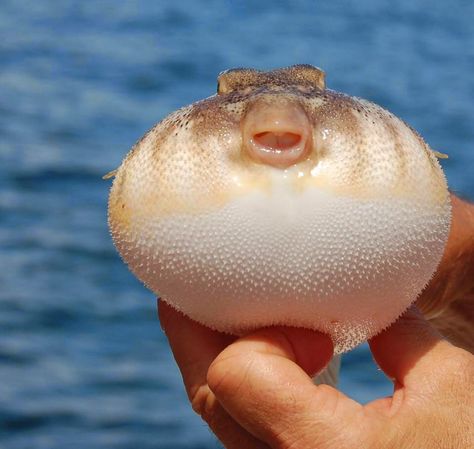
83	362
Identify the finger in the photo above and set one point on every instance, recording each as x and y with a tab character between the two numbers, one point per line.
263	381
454	278
409	349
194	348
231	434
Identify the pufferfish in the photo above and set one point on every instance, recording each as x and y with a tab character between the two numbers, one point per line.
278	201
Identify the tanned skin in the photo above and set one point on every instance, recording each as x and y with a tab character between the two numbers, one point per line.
448	300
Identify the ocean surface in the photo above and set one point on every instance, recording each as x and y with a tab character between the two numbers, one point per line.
83	361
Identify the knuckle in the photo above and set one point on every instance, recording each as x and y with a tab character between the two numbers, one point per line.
203	402
463	367
198	397
455	372
206	405
459	362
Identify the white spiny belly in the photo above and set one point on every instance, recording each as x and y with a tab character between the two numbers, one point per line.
343	265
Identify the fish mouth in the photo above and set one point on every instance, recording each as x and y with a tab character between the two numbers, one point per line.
277	133
277	141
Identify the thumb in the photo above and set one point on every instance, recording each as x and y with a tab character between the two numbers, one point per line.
263	381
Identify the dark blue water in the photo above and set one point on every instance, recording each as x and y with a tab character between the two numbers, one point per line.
83	363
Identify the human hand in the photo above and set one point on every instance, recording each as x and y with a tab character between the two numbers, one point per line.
257	392
448	300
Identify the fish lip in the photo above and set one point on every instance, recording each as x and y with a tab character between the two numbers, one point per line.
277	133
280	158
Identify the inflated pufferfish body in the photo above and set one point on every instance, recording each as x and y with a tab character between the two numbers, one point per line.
278	201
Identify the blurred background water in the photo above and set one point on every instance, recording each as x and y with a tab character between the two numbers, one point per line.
83	362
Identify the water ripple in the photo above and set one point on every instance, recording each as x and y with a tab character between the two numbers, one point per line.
83	362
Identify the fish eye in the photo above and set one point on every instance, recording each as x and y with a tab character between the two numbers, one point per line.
235	79
240	79
304	74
